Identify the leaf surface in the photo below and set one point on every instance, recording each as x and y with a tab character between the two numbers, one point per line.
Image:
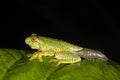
14	65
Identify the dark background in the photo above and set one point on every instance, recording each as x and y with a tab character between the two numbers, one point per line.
92	24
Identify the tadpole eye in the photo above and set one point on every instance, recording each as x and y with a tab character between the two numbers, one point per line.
33	39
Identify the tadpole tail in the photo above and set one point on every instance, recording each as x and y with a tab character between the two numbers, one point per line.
90	53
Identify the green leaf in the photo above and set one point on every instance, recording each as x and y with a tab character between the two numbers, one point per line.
14	65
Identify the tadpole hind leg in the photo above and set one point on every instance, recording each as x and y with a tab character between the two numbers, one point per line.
53	60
